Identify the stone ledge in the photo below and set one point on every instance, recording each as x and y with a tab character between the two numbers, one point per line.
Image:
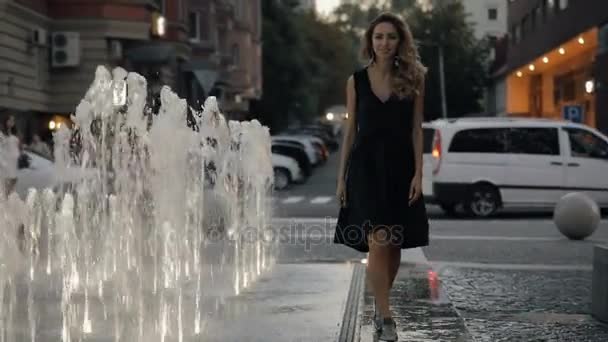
599	295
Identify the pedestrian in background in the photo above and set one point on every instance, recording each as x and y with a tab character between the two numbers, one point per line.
380	174
9	154
40	147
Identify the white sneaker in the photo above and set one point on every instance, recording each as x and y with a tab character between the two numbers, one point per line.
377	318
389	330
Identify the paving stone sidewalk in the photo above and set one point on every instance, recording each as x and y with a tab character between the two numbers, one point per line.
420	307
523	305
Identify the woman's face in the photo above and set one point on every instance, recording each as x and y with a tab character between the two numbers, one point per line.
10	122
385	40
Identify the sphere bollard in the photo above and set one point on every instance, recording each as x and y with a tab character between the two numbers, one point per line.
576	215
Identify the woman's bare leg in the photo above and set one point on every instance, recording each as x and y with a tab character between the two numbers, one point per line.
395	263
379	266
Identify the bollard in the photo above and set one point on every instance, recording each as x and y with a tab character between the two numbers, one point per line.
576	215
599	285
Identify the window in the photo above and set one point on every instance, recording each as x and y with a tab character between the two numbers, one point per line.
205	26
479	140
515	34
492	13
538	13
194	26
585	144
427	140
236	56
524	26
533	140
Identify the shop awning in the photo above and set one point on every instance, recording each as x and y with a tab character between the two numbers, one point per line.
151	54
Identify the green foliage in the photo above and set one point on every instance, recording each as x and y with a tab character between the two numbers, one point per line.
306	60
465	57
305	65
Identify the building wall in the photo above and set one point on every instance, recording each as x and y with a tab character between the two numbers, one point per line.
601	92
68	85
484	26
30	84
538	28
39	6
550	31
23	65
478	15
518	90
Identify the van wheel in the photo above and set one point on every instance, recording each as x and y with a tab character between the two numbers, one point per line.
484	200
282	178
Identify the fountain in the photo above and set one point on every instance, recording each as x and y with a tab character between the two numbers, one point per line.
161	218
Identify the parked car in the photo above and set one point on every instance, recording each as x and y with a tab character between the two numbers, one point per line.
286	171
492	163
39	172
328	139
306	141
320	148
296	152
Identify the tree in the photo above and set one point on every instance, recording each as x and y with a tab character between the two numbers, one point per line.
465	57
305	65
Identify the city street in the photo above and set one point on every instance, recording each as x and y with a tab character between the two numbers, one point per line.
139	141
513	277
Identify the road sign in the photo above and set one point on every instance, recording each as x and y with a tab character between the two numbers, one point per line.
573	113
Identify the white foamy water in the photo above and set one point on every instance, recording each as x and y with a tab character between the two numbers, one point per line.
161	222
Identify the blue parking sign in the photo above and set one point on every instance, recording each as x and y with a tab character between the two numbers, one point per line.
573	113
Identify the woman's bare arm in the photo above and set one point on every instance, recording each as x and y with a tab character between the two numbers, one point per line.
349	127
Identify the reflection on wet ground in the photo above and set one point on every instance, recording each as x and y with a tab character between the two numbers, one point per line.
420	308
524	305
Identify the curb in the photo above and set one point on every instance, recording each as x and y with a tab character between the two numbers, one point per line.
350	327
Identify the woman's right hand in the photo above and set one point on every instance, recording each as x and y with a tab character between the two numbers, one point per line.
341	193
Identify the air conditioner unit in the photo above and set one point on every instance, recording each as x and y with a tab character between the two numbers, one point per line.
39	36
65	49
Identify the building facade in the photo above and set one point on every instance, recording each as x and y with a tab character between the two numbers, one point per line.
557	60
226	40
50	49
488	17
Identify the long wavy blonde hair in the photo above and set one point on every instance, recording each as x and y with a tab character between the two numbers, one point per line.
407	72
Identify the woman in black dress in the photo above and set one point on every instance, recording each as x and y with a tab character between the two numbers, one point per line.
380	173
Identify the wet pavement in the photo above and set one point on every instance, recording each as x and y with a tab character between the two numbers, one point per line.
524	305
419	303
295	302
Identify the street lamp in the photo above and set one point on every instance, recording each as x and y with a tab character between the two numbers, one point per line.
444	107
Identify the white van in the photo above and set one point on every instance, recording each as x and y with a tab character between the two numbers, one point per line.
489	163
428	132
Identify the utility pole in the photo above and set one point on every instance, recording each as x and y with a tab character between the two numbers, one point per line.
444	106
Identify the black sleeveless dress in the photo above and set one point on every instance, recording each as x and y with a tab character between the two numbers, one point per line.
378	173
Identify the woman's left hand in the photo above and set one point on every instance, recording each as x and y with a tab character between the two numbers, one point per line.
415	188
